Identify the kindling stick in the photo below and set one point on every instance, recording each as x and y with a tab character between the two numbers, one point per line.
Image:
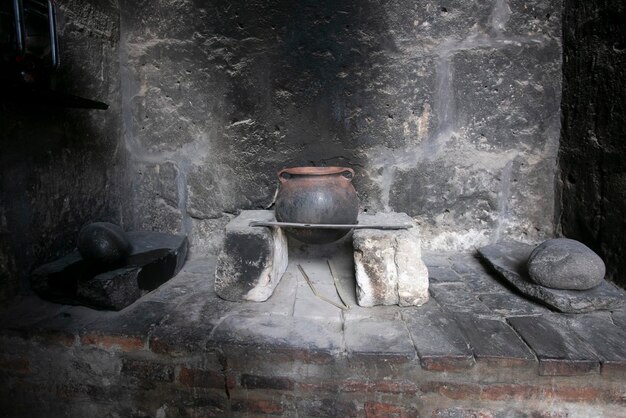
338	286
306	277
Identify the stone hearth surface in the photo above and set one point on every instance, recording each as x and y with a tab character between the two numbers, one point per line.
475	348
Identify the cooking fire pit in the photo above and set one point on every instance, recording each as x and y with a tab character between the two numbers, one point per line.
319	205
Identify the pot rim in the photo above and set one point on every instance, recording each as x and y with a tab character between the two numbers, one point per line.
315	171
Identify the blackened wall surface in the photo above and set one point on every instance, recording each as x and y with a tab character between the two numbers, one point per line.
448	111
61	168
593	148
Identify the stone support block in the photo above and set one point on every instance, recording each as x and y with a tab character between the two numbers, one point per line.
388	263
252	260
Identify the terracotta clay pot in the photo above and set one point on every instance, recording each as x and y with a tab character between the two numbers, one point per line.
317	195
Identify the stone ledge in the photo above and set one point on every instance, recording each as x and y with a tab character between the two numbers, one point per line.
187	317
246	356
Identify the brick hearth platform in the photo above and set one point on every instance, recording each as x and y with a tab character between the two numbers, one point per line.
475	349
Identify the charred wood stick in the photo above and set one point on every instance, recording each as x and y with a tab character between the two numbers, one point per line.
329	226
338	287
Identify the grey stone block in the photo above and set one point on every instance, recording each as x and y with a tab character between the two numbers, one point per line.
439	341
437	20
252	260
388	264
445	196
278	332
207	236
605	338
114	289
442	275
494	341
560	351
539	17
157	181
465	264
483	283
510	304
308	305
512	89
436	259
369	337
186	329
456	297
210	191
156	197
619	318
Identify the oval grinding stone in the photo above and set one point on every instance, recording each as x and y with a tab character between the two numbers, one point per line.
563	263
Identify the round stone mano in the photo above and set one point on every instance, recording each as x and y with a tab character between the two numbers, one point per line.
103	243
563	263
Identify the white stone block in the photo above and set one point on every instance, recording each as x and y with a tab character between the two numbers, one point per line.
388	263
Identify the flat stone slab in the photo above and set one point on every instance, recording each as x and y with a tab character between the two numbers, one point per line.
494	342
561	352
388	264
457	297
252	260
606	339
440	343
509	260
512	304
375	337
277	331
443	274
155	258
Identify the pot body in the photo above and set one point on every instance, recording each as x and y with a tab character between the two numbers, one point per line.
317	195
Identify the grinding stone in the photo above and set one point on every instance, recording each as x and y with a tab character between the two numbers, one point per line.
509	259
563	263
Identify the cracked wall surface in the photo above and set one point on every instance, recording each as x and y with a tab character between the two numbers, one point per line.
448	112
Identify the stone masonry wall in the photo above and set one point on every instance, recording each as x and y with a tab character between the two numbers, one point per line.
61	168
448	111
593	169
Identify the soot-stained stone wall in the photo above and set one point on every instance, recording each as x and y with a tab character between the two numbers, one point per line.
593	167
448	111
61	168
